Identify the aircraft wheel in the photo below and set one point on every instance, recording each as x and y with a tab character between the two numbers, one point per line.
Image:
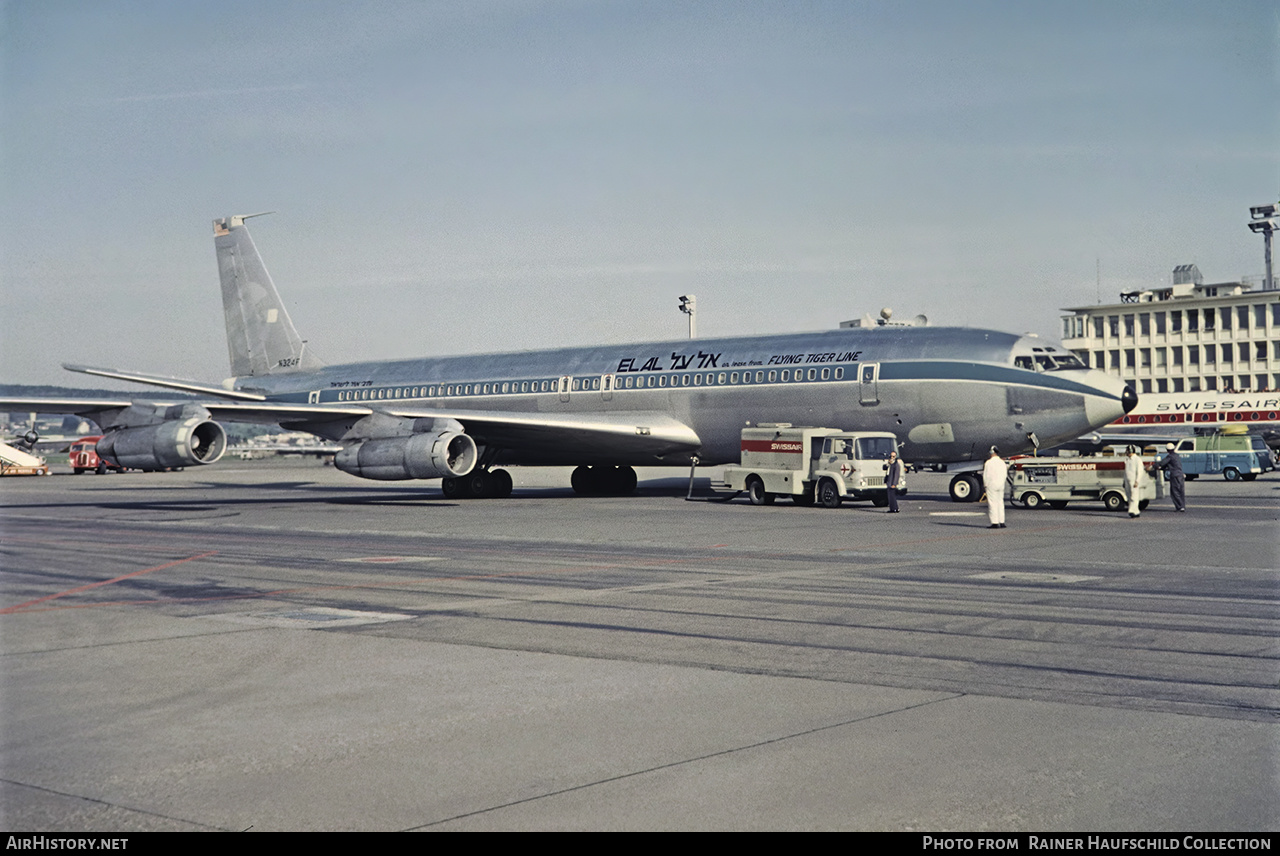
1032	500
756	492
581	480
1231	474
829	494
626	481
1113	501
501	483
452	488
965	488
480	484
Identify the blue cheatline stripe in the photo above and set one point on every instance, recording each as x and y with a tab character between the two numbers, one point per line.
950	370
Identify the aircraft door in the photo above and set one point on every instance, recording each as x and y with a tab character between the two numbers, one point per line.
869	382
313	397
606	387
564	387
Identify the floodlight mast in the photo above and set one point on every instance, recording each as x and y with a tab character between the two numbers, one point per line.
1263	220
689	306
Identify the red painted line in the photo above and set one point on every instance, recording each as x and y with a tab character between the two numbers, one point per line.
22	606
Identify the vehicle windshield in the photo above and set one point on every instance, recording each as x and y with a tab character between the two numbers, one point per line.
874	448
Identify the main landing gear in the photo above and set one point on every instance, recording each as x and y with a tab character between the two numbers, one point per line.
480	484
603	481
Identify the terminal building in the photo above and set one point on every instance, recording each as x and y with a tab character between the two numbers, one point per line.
1188	337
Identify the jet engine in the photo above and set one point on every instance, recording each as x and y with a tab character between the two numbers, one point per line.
417	456
175	443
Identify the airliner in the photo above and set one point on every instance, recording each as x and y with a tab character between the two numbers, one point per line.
948	393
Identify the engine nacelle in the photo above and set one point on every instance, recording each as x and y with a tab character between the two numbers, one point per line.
417	456
177	443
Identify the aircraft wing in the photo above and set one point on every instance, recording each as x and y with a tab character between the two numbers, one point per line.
537	436
571	436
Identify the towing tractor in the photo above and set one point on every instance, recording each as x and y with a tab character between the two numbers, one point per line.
811	465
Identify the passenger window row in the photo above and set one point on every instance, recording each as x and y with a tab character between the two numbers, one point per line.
593	383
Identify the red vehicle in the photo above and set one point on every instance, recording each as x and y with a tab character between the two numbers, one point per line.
84	457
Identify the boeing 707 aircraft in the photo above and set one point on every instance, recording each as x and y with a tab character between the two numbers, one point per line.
948	393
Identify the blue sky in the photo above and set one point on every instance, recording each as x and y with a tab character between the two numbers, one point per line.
460	177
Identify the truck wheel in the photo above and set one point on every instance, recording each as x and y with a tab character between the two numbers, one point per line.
756	492
1249	477
1057	503
1113	501
965	488
1032	500
1231	474
829	494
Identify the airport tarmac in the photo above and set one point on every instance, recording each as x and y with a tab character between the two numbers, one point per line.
280	646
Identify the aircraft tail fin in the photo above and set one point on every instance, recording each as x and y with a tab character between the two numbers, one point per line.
261	339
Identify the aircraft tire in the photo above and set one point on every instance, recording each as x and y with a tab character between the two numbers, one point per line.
480	485
581	481
452	488
829	494
965	488
756	492
627	481
502	483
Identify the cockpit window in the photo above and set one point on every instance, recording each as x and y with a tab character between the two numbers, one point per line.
1043	362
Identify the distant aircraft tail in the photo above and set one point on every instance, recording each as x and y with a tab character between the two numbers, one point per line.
261	339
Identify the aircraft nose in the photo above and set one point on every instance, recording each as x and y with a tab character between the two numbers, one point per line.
1128	399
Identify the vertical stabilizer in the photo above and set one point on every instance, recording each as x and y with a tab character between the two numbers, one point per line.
260	337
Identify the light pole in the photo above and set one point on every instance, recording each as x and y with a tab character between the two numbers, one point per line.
1264	222
689	306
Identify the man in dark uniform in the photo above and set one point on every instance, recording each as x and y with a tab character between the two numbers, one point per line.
1172	466
893	478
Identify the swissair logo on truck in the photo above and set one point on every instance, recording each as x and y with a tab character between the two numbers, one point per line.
780	446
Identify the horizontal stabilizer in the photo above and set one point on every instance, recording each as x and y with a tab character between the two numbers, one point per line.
167	382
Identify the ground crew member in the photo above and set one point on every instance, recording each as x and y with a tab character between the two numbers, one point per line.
995	472
1133	475
893	479
1172	466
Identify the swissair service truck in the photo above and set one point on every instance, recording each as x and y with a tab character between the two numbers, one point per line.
811	465
1054	482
